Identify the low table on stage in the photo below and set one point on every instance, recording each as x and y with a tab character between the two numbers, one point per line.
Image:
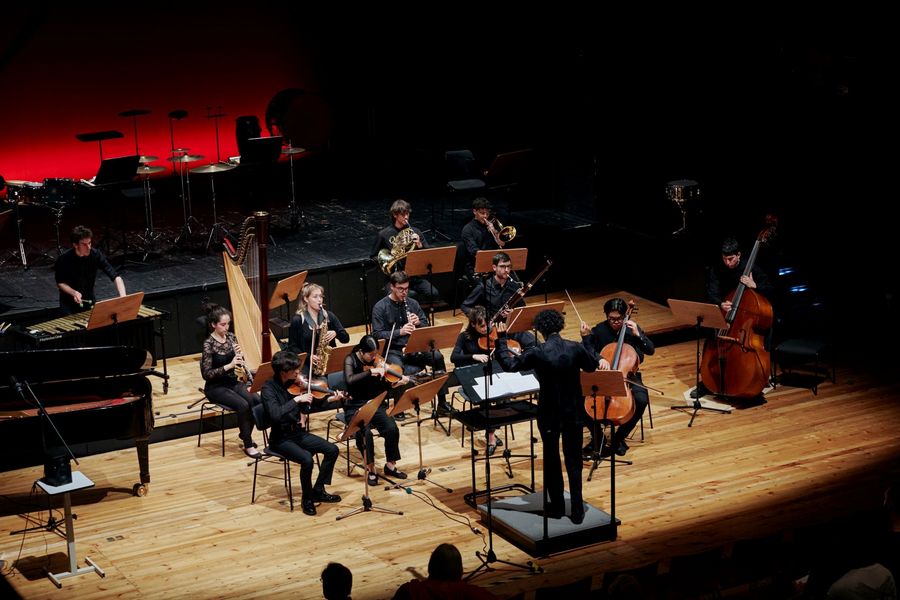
79	482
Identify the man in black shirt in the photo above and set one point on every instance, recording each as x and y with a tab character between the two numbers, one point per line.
76	272
400	211
477	236
494	292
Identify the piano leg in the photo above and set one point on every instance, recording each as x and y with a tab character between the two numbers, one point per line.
142	444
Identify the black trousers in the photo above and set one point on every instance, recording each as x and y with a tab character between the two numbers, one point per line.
299	447
386	426
641	401
571	434
238	399
415	362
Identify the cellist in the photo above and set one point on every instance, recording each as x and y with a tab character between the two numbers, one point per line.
723	278
599	337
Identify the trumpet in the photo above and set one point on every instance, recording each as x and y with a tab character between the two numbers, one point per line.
503	235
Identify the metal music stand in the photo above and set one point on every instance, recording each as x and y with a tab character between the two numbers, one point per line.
338	354
286	291
484	259
115	310
429	261
701	315
412	397
361	420
431	339
606	384
79	482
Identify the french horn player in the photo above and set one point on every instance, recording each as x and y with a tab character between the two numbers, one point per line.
394	243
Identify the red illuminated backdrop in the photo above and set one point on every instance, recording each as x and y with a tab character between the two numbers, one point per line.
69	70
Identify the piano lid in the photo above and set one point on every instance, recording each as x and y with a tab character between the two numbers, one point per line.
59	364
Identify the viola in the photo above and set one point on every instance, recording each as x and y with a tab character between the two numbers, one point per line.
622	357
318	388
514	346
392	373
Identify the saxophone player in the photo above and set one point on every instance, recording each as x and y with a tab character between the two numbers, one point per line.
312	316
396	239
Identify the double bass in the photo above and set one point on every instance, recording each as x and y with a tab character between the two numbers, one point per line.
737	363
621	356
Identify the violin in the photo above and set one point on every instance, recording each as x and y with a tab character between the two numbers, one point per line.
514	346
318	388
392	373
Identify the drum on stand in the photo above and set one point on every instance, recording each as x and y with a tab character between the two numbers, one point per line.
683	193
59	191
23	192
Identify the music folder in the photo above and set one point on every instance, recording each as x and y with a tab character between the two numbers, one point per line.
121	169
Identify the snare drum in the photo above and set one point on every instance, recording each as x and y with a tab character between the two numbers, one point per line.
59	191
23	192
682	190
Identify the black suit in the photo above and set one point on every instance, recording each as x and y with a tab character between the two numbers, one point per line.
557	363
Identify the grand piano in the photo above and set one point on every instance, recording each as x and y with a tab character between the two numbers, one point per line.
92	396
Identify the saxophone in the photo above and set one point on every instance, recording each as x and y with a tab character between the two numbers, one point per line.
323	348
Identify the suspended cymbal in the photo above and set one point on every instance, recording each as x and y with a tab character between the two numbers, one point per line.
134	112
148	159
185	158
149	170
213	168
180	150
292	150
23	183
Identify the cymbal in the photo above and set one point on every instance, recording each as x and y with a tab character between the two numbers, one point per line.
213	168
292	150
149	170
148	159
185	158
134	112
23	183
180	150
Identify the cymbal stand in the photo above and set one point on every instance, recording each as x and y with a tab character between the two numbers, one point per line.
218	229
294	208
22	253
183	178
367	505
150	236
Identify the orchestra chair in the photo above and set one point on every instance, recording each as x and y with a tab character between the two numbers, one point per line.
804	355
262	422
463	178
208	407
509	431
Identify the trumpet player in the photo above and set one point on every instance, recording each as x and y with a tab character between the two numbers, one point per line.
396	239
221	356
313	316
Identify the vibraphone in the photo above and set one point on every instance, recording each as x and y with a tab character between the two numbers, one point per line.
71	331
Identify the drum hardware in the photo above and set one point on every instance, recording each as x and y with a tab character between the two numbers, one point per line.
295	210
134	113
217	227
25	248
178	157
150	236
682	192
147	159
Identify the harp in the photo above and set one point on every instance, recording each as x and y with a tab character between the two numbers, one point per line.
247	277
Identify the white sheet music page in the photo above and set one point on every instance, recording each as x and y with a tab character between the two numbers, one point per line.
507	384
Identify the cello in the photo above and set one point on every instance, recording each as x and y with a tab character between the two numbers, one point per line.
737	363
622	357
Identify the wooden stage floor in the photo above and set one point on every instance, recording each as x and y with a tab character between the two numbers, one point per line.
799	459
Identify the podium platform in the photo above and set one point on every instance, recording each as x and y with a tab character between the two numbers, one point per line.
520	521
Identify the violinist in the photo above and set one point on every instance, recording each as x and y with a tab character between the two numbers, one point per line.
366	374
494	294
599	337
471	348
400	315
220	358
558	364
290	438
476	235
723	278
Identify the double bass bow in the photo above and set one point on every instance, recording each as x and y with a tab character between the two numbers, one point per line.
737	363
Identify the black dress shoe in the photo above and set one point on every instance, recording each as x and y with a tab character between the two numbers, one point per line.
309	507
324	496
588	451
555	513
622	449
606	451
400	417
577	515
372	479
394	473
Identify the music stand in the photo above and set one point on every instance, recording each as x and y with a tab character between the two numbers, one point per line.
286	291
429	261
361	420
339	353
484	259
606	384
525	321
115	310
701	315
412	397
431	339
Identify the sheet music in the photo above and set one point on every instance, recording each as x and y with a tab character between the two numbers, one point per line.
505	385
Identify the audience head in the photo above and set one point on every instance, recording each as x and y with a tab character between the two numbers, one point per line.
337	581
445	563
